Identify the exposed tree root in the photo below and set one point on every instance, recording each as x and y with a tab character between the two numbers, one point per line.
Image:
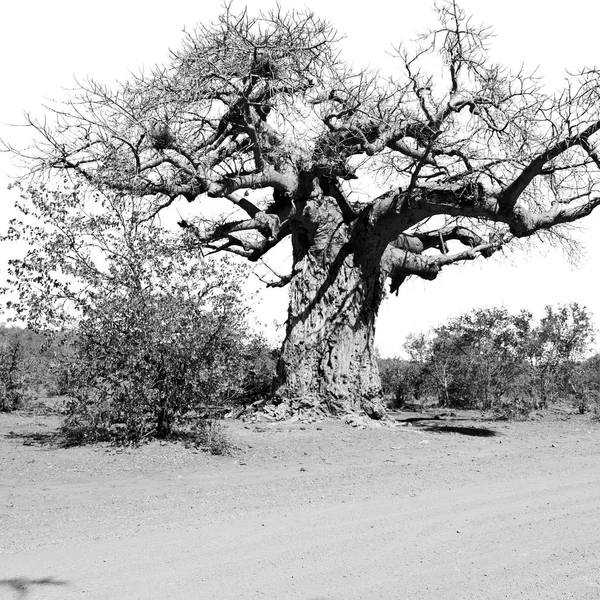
313	409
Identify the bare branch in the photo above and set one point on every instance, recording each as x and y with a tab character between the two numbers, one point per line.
264	102
400	263
509	196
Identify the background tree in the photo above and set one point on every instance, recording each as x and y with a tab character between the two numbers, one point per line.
402	381
584	385
477	358
22	366
14	364
492	359
262	114
558	345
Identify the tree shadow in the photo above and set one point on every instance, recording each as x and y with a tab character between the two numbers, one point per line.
444	423
432	418
416	419
22	585
469	430
38	438
419	419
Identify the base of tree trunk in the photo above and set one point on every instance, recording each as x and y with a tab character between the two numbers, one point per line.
311	409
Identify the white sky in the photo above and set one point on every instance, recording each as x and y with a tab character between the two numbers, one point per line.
43	45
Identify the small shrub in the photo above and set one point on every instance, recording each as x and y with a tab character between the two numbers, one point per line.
151	361
206	434
92	417
215	440
512	409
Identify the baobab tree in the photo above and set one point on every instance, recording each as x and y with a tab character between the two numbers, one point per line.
463	157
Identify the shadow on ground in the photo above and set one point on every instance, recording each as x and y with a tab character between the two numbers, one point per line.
462	430
38	438
434	418
440	424
22	585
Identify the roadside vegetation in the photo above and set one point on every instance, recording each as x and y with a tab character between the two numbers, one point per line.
144	335
168	365
16	352
498	362
147	336
133	374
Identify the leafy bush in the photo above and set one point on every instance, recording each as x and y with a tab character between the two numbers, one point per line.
209	434
148	361
155	335
582	384
512	409
472	361
558	345
402	381
23	367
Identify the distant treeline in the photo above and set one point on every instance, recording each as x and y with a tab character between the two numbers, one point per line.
492	359
156	365
23	362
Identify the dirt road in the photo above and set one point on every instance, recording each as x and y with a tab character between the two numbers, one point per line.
444	509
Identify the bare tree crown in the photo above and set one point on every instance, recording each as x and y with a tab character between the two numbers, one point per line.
266	103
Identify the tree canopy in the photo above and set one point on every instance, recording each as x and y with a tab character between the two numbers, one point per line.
263	113
266	102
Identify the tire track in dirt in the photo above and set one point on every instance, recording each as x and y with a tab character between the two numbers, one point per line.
512	539
312	514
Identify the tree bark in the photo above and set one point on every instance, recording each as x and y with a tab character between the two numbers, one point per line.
328	356
163	421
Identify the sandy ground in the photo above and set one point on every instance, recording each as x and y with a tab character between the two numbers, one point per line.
433	509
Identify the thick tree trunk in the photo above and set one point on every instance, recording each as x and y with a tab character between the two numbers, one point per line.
328	355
